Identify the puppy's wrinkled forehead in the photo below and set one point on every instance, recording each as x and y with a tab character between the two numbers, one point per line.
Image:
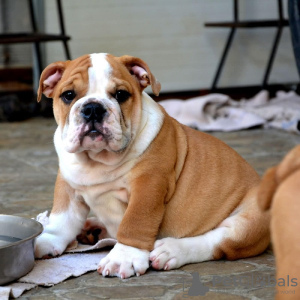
99	74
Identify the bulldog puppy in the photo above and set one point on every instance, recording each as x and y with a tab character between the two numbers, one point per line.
279	192
169	194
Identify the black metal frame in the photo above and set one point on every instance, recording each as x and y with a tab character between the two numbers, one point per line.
294	16
36	31
280	23
36	37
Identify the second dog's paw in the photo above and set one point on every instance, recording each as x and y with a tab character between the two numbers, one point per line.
124	261
48	245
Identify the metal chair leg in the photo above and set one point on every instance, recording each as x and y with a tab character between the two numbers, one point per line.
37	50
226	48
62	28
294	16
271	58
222	60
275	45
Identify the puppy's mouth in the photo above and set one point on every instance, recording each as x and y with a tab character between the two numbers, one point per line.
92	131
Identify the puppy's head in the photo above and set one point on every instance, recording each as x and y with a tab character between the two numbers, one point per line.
97	100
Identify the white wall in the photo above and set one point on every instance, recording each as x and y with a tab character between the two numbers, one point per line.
170	36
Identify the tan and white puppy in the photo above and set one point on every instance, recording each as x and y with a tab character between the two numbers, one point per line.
169	194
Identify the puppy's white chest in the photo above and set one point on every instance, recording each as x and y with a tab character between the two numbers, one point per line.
104	190
109	205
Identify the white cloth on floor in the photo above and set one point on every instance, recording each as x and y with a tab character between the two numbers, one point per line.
218	112
49	272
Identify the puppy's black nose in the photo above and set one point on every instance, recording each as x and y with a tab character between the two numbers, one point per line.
93	112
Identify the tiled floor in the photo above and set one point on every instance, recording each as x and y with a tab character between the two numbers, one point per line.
28	167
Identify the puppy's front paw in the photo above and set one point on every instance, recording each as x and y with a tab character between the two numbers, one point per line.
124	261
49	245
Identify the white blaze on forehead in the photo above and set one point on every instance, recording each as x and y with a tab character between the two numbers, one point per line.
99	74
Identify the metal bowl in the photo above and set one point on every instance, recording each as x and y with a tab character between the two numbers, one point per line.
17	236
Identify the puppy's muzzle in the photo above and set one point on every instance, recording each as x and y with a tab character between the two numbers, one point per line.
94	112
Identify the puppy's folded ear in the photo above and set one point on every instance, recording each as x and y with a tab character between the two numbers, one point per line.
138	68
49	79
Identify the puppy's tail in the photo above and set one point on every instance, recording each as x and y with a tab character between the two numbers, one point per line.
267	189
275	175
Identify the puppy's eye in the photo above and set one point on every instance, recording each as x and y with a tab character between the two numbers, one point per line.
68	96
121	96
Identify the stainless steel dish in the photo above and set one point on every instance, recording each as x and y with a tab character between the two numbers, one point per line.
17	236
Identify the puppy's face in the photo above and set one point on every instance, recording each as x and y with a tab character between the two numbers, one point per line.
97	100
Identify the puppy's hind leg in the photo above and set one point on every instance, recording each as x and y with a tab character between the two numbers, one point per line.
243	234
171	253
92	231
